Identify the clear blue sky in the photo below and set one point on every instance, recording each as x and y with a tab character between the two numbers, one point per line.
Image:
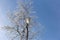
48	12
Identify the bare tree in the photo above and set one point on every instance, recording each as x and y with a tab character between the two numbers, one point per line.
24	25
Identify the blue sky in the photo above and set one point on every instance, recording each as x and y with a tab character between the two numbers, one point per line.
48	12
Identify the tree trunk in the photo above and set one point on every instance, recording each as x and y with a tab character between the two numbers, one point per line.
27	32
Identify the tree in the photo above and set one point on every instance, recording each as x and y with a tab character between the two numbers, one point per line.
23	22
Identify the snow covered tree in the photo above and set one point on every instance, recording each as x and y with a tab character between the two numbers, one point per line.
24	24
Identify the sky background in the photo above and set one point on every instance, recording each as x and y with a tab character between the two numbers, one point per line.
48	12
